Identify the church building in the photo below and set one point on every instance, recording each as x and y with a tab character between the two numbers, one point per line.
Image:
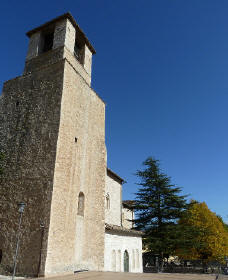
52	138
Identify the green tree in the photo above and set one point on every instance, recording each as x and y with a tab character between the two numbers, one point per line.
158	206
211	239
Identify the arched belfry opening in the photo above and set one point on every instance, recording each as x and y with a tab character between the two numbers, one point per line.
46	40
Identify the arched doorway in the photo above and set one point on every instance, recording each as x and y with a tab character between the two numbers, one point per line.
126	261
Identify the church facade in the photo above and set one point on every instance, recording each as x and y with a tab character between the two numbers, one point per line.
123	245
52	136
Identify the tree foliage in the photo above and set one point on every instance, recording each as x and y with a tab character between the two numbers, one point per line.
224	224
158	206
210	239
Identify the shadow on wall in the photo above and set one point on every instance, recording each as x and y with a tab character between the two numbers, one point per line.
4	270
30	253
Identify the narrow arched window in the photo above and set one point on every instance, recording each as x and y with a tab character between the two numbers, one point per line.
107	201
0	255
126	261
81	203
113	260
119	261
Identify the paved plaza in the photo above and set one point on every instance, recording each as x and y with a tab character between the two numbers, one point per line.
127	276
133	276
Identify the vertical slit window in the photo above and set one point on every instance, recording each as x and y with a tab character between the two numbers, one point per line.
81	204
107	201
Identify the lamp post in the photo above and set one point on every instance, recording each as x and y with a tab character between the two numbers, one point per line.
42	227
20	210
226	268
157	262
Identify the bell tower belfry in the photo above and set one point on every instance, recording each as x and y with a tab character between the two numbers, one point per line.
65	34
52	135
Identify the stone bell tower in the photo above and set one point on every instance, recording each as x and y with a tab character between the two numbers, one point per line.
52	136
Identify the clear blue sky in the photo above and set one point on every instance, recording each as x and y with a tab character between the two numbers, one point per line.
162	68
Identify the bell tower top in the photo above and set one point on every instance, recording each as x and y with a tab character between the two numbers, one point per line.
60	33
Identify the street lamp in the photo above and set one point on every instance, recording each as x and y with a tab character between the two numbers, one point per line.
226	268
157	262
20	210
42	227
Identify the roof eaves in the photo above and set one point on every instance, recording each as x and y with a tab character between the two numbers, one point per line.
115	175
120	229
130	204
53	21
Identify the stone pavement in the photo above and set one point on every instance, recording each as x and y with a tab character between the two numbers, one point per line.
133	276
3	277
126	276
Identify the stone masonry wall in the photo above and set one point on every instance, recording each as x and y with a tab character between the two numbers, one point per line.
33	48
54	56
52	132
77	242
64	35
29	125
45	59
77	66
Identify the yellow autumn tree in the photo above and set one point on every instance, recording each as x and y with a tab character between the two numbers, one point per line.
209	239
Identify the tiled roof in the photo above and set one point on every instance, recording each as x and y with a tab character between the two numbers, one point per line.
128	204
115	228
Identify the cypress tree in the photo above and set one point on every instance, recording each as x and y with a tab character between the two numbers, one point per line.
158	206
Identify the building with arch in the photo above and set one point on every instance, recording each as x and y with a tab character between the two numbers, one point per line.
120	236
52	135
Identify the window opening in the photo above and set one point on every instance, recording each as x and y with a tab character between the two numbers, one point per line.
119	261
107	201
48	41
79	47
126	261
47	38
81	204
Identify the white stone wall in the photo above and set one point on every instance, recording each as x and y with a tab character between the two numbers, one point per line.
127	217
115	245
114	190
